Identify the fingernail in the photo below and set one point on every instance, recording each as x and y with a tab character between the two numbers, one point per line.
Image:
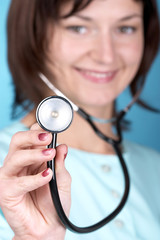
65	155
45	173
43	136
47	151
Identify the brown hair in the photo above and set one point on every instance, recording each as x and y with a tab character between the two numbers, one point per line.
27	31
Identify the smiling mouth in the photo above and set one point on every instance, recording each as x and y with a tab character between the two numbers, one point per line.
97	76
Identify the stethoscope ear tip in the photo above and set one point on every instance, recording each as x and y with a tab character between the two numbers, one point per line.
54	114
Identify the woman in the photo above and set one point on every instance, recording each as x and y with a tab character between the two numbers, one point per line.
91	51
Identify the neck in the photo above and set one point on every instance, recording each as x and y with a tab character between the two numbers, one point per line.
80	135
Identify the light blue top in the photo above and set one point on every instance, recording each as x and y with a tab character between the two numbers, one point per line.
97	187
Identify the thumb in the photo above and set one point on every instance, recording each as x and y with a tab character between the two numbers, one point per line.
63	178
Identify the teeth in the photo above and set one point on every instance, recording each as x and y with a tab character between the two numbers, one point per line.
98	75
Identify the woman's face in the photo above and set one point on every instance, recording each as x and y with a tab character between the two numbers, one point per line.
97	52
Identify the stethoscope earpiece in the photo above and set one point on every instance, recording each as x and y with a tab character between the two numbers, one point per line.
54	114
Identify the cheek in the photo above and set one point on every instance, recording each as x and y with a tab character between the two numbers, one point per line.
131	56
134	54
66	52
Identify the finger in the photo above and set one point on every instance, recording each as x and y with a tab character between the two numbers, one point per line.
63	177
23	158
61	152
63	183
26	139
36	126
27	184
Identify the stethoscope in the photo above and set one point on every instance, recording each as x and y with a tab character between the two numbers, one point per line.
55	114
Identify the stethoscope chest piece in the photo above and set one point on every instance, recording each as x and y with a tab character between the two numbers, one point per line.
54	114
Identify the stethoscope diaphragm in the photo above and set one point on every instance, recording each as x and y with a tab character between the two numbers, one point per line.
54	114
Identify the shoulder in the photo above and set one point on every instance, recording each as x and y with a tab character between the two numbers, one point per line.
140	157
139	151
6	135
7	132
143	162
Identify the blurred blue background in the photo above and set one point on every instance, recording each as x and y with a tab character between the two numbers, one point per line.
145	128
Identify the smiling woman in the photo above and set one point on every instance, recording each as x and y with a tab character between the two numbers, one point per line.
89	51
98	58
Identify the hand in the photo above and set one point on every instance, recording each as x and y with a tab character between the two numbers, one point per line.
25	196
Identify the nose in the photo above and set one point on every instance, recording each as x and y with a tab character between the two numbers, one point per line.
103	49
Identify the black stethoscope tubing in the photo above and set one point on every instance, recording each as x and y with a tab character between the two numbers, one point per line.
67	223
53	183
116	146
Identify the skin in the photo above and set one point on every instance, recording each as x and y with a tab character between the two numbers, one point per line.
115	48
100	60
26	204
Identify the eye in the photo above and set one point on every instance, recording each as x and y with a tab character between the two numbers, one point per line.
127	29
77	29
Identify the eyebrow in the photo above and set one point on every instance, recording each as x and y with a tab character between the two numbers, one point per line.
130	17
88	19
83	17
